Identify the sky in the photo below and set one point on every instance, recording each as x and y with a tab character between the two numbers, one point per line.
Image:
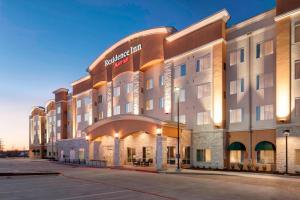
45	45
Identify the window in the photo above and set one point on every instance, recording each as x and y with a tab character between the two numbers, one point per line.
236	156
161	80
86	117
297	68
100	98
233	57
116	91
265	156
182	95
78	118
297	156
264	81
149	84
233	89
203	63
128	107
235	115
78	103
149	104
81	154
297	107
203	118
264	112
101	115
116	109
161	102
181	119
297	32
129	88
87	101
203	155
58	109
180	71
264	48
58	123
203	90
242	85
58	135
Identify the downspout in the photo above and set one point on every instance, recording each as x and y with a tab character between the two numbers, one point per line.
250	97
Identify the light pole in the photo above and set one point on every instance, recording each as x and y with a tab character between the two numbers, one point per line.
286	134
177	90
52	124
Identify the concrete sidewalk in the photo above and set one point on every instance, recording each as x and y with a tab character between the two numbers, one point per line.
229	173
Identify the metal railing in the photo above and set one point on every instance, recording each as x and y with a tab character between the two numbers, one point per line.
88	163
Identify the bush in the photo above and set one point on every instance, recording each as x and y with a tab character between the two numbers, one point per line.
257	168
249	167
241	166
264	168
232	166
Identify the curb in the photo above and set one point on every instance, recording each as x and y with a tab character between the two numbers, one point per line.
29	173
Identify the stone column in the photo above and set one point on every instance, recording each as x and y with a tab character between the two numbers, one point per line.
109	99
116	158
159	153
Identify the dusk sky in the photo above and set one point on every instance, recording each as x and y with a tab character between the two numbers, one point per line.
45	45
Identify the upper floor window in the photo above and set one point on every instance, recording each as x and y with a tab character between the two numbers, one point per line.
117	110
237	56
297	69
180	71
129	88
100	98
161	102
161	80
203	90
78	118
149	84
58	109
128	107
58	123
116	91
235	85
87	117
264	81
87	100
235	115
264	112
182	119
264	48
203	63
297	107
182	95
78	103
297	32
203	155
149	104
203	118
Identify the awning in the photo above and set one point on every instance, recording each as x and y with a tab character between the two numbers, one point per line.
236	146
264	145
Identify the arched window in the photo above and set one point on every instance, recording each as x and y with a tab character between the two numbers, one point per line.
265	152
237	150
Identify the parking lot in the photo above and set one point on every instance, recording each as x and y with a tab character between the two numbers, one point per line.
90	183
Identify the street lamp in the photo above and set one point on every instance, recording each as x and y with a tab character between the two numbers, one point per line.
52	130
286	133
177	90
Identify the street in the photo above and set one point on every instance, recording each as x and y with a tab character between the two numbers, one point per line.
90	183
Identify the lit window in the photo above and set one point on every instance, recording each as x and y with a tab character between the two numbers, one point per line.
297	69
233	58
116	91
242	55
161	102
297	32
86	116
181	119
180	71
128	107
100	98
129	88
235	115
78	118
58	135
117	110
264	81
149	104
87	101
203	118
232	86
264	112
265	156
236	156
78	103
203	63
203	90
58	109
101	115
203	155
264	48
58	123
81	154
161	80
297	156
149	84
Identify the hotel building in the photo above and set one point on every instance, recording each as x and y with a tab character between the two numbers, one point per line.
237	90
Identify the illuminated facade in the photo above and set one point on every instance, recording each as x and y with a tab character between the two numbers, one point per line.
237	89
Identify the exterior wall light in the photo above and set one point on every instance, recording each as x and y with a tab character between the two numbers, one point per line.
116	135
158	131
87	137
286	133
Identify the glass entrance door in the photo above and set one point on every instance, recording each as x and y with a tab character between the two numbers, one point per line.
171	155
131	154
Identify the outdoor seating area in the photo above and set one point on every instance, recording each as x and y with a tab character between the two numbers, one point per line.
143	162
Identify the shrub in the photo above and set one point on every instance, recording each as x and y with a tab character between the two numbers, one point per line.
264	168
257	168
241	166
232	166
249	166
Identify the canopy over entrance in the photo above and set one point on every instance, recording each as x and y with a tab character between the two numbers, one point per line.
264	145
125	125
236	146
